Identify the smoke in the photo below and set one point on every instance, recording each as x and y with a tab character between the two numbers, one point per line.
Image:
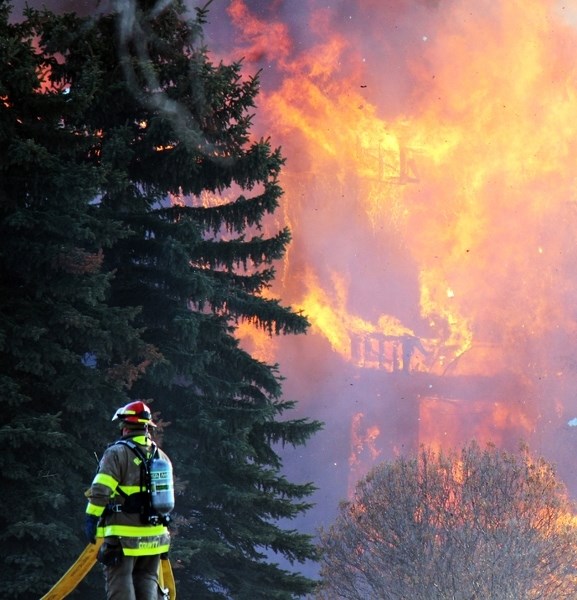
80	7
135	37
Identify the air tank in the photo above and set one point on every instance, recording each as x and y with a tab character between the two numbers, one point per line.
161	486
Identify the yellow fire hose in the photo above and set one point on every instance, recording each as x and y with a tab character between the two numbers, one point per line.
76	573
84	563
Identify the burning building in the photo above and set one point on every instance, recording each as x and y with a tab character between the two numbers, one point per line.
430	189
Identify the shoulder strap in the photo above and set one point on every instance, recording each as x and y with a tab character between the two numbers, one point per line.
144	463
138	451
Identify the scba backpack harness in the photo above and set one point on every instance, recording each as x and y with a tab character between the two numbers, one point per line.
157	501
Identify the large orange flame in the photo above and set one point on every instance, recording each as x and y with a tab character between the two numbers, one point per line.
430	188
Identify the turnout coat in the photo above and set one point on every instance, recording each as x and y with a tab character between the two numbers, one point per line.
116	494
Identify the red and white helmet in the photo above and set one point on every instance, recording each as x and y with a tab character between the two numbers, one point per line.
134	412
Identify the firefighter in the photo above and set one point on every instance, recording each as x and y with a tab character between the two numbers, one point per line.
119	510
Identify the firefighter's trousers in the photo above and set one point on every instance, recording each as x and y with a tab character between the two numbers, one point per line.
135	578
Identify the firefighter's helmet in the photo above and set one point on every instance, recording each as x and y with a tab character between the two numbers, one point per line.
134	412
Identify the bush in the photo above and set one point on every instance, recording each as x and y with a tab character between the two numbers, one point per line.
477	524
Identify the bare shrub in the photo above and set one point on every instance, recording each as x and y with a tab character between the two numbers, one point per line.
472	525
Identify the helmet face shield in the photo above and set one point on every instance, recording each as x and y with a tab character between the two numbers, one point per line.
135	412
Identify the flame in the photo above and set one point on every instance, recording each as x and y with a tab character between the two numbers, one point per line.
430	189
363	448
257	342
480	151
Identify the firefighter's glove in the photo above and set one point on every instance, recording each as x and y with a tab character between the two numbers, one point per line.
90	524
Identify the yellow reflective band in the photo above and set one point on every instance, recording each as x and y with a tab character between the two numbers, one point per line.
147	549
92	509
106	480
142	440
134	530
130	489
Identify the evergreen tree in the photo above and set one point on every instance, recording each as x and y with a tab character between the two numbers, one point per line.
166	128
65	354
